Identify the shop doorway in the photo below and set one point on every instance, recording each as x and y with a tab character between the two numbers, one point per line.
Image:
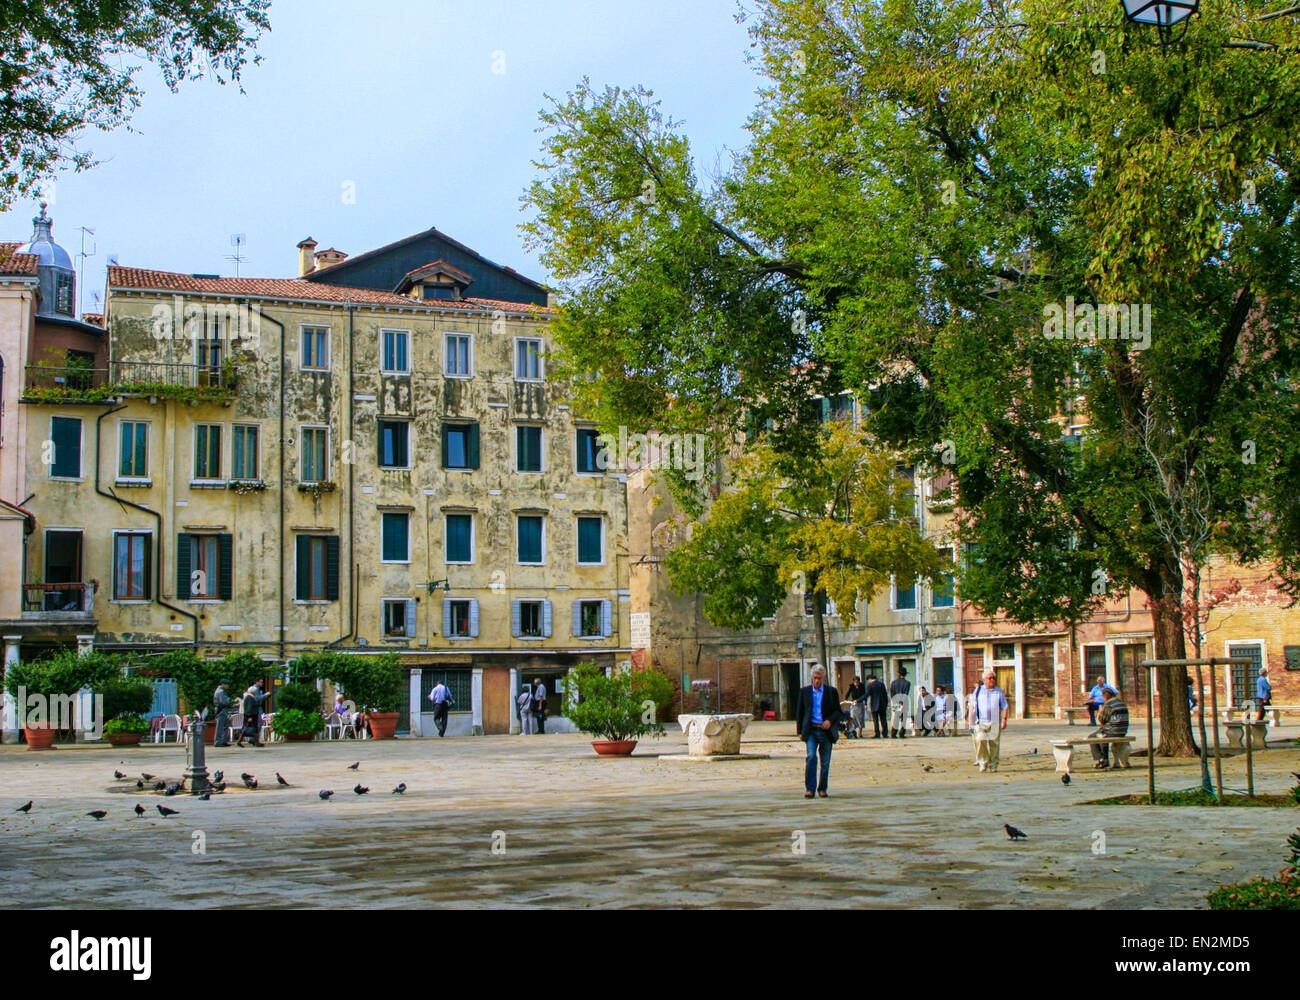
1040	680
790	682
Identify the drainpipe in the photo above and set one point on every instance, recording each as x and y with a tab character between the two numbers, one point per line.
156	515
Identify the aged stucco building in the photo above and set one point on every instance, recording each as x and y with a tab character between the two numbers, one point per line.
370	456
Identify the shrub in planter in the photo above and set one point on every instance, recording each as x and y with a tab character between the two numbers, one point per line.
290	722
372	683
618	708
126	725
298	696
63	674
127	697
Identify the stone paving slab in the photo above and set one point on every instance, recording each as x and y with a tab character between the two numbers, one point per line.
574	830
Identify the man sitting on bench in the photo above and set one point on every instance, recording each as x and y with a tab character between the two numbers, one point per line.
1114	722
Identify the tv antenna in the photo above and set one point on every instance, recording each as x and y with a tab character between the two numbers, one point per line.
81	265
237	241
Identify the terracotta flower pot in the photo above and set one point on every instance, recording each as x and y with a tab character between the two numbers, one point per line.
298	737
123	739
383	725
40	736
613	748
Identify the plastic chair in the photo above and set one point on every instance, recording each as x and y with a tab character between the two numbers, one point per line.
170	724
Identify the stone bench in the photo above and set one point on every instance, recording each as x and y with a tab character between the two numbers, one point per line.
1070	713
1064	749
1237	734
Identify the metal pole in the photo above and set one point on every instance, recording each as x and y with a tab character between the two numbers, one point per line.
1250	757
1214	714
1151	739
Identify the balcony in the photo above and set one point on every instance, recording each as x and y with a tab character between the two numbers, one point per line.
58	601
49	383
153	379
145	377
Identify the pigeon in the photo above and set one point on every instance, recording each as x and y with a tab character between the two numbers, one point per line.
279	779
360	789
219	786
927	768
1013	833
1065	779
353	767
159	786
219	776
139	786
24	809
249	781
325	794
118	775
139	809
146	776
205	796
173	788
164	811
400	789
97	813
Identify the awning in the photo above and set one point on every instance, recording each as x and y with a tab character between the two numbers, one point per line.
886	648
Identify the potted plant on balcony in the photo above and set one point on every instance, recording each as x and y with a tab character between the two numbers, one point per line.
298	716
374	684
619	709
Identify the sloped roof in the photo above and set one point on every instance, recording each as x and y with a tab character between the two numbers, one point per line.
16	263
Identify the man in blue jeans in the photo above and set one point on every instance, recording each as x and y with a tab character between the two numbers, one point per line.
816	713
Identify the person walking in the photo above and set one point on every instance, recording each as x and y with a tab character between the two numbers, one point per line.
221	698
442	701
1095	700
525	702
857	694
539	704
878	704
988	717
899	703
816	713
251	706
1263	692
1114	722
925	703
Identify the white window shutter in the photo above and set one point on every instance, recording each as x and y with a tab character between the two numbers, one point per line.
473	618
577	619
515	615
606	618
410	618
446	616
546	619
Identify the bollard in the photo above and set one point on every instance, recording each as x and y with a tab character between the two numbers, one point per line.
196	768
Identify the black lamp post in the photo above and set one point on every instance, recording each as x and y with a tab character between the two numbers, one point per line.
1164	15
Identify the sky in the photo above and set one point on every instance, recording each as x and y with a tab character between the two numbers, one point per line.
424	111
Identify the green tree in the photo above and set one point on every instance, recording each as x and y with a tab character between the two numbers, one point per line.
936	184
71	65
838	524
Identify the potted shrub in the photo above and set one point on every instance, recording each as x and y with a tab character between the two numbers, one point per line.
374	684
296	725
126	730
618	709
126	701
62	675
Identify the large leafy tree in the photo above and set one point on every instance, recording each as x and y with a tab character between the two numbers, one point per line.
837	523
935	184
70	65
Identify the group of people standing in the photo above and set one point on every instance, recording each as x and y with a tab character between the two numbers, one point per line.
250	704
889	709
532	708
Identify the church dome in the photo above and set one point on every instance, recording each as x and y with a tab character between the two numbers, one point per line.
43	247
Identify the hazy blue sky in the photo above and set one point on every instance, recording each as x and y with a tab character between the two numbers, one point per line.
398	97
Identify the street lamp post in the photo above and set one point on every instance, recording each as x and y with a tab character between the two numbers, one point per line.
1163	15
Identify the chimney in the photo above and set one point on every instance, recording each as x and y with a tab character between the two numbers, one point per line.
328	258
306	260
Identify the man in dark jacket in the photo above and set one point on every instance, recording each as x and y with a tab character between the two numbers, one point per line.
900	701
878	704
816	713
858	695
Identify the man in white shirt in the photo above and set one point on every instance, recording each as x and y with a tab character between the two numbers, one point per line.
527	724
988	717
441	698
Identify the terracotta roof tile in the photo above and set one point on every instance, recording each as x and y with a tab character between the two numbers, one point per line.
295	289
16	263
94	319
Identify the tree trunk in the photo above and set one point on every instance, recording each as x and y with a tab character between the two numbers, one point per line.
819	624
1171	682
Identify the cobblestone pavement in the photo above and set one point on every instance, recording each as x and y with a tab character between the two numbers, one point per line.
520	821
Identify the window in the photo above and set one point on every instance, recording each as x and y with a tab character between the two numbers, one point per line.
530	619
460	618
207	451
131	578
313	456
396	345
592	619
528	359
393	444
396	530
460	538
530	530
316	348
63	295
591	541
1004	651
317	564
1094	660
458	683
458	358
133	449
528	449
65	439
460	446
1245	676
944	589
837	408
207	349
943	672
905	598
203	567
245	456
589	453
399	619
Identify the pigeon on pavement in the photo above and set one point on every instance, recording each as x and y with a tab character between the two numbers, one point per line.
1013	833
219	776
164	811
97	813
279	779
139	809
139	786
360	789
118	774
173	788
353	767
927	768
249	781
325	794
1065	779
24	809
146	775
400	789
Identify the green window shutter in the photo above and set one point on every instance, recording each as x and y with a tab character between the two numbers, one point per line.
302	588
65	432
445	431
332	568
148	566
183	567
226	582
472	458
